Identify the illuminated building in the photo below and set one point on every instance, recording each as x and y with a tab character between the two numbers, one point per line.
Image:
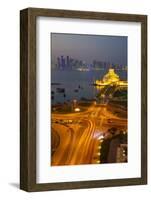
111	78
121	155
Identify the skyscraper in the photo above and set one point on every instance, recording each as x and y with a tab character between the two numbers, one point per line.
58	63
68	62
62	62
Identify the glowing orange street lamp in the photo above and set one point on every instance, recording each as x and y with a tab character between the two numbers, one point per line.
77	109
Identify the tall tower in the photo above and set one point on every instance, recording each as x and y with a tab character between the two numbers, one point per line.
58	63
68	62
62	62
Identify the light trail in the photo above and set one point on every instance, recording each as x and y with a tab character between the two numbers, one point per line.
78	142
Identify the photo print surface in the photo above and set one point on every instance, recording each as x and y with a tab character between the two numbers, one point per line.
89	90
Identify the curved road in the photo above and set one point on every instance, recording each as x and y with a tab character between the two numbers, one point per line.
79	138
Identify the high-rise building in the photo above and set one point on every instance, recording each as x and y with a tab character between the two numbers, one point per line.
58	63
68	62
62	62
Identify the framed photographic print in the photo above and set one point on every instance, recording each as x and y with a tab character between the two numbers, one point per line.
83	99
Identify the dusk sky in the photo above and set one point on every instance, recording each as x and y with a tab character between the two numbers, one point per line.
90	47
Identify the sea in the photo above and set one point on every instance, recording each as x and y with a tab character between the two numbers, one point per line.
77	84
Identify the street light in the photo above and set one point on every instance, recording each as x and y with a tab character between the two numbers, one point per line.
77	109
100	137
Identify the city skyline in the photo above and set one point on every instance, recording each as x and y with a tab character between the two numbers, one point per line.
66	62
93	47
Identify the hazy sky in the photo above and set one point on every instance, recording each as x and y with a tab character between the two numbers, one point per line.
90	47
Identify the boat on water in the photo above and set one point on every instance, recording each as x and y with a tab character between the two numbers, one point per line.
60	90
76	90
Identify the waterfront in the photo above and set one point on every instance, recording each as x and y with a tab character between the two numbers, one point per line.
89	125
78	85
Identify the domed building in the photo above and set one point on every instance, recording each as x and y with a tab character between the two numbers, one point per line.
110	78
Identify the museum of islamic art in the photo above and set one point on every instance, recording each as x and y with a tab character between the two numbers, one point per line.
111	78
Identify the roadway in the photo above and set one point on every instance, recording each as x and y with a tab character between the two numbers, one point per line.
80	134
